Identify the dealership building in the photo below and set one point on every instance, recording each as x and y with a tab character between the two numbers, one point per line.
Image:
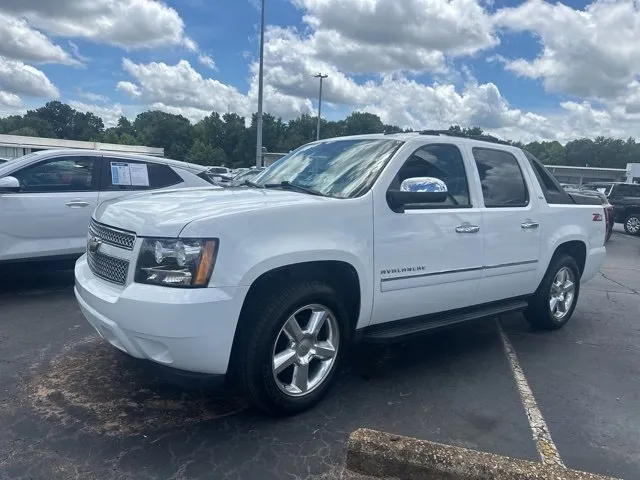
13	146
582	175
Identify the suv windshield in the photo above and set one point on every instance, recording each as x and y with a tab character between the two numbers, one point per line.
334	168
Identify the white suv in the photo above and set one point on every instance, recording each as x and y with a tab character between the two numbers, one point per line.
366	238
47	197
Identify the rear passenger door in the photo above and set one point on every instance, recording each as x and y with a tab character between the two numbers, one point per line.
511	225
123	176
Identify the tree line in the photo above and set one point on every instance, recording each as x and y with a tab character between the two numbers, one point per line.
226	140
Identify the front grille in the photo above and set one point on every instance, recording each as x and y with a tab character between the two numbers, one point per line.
113	236
108	268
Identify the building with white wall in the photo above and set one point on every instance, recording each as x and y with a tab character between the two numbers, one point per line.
13	146
582	175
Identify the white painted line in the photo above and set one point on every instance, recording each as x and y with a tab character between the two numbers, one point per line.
541	435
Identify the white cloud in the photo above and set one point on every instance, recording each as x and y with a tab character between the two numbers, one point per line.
10	100
21	42
108	114
24	80
129	88
384	35
93	97
207	61
123	23
590	53
181	86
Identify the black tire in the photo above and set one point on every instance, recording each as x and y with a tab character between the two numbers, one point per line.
539	314
259	328
632	217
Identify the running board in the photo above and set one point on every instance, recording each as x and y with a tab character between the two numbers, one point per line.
404	328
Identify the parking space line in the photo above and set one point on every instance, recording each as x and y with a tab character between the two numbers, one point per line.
541	435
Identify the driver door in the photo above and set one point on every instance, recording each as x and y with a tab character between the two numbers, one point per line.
428	259
50	214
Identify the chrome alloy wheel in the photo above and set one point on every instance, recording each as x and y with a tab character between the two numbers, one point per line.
562	293
633	225
305	350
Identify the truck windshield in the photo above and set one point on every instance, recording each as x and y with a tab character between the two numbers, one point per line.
333	168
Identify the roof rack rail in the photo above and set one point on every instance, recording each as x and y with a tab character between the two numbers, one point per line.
453	133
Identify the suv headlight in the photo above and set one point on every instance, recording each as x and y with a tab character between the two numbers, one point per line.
176	262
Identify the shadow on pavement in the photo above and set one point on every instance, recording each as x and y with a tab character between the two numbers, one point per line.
35	277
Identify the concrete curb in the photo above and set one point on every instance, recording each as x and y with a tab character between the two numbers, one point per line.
384	455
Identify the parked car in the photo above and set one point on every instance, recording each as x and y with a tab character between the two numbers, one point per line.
241	178
4	160
47	197
365	238
608	208
625	198
221	176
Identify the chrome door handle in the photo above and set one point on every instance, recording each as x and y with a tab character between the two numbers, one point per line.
467	228
77	204
529	225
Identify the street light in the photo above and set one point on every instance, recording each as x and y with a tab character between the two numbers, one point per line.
321	77
260	90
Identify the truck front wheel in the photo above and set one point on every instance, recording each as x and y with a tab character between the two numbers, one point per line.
555	300
290	356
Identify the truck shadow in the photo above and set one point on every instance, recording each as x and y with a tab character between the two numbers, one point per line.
92	387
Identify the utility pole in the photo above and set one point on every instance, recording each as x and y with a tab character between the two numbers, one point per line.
321	77
260	90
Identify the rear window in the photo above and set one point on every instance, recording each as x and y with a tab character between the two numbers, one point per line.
148	175
551	188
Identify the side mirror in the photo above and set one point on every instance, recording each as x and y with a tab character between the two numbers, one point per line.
9	184
417	190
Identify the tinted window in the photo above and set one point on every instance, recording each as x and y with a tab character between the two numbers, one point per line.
439	161
502	182
62	174
626	190
147	175
551	188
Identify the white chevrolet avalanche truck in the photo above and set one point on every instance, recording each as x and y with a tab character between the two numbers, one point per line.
364	238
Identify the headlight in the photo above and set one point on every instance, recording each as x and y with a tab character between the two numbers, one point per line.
176	262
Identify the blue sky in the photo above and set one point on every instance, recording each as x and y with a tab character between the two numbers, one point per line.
519	69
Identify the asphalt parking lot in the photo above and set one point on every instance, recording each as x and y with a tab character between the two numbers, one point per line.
73	407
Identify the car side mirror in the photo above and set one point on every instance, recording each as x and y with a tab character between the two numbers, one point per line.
9	185
417	190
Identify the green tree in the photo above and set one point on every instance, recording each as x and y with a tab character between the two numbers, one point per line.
58	115
174	133
203	153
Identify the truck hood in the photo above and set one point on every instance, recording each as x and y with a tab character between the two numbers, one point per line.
166	213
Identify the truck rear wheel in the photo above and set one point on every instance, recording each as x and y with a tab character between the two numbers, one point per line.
632	224
289	358
555	300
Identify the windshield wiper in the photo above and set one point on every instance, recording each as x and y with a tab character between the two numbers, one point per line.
292	186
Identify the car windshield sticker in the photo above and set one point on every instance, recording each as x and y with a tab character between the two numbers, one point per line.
120	174
139	174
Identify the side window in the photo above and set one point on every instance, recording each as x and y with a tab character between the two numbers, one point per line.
126	174
62	174
503	184
440	161
551	188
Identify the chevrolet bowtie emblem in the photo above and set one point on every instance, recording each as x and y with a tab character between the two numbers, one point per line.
93	243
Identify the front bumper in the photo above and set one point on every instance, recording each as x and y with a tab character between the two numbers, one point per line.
187	329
